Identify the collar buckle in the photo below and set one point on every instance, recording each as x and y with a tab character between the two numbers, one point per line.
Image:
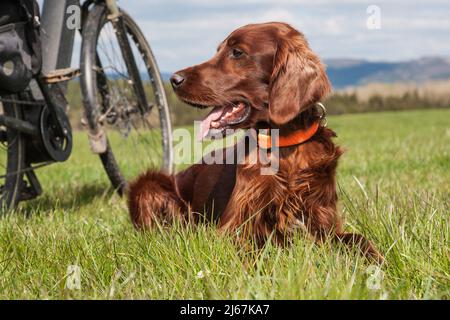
323	114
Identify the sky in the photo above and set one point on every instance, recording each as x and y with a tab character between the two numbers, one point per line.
186	32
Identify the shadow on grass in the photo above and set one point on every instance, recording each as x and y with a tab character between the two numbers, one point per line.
68	198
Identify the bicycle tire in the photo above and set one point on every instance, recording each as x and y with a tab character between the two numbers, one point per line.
95	21
15	155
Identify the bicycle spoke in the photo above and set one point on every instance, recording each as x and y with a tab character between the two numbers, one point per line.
126	92
138	133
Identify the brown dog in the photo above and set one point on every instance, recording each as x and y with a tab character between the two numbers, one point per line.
263	76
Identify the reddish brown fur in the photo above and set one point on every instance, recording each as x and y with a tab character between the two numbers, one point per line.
153	198
281	79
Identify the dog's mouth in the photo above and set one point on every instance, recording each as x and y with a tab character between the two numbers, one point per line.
222	118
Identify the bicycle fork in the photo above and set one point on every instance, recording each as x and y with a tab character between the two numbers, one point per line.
133	71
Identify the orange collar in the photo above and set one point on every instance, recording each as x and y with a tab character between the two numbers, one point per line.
297	137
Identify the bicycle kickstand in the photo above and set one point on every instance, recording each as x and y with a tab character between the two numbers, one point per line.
33	189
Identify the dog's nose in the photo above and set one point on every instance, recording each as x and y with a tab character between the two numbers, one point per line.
176	80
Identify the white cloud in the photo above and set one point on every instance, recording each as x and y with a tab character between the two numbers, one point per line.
185	32
407	23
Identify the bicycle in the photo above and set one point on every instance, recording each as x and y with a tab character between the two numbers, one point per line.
125	105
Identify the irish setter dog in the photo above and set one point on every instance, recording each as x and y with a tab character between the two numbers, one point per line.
263	76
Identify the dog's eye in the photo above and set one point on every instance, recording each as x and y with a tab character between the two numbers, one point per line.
236	53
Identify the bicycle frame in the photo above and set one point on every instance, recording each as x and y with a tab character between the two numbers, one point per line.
43	115
45	100
57	38
57	45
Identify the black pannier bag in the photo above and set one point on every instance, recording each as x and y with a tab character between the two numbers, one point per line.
20	46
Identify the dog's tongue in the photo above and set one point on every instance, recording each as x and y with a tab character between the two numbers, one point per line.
206	123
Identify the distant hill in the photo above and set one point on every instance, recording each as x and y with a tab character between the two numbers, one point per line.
353	72
350	72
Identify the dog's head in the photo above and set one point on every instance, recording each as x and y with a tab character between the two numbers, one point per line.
261	73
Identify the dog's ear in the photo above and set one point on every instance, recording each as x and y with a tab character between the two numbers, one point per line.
298	78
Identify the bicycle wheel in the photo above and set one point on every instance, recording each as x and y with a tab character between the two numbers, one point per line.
12	155
136	140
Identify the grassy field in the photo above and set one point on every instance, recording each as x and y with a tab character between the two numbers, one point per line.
394	183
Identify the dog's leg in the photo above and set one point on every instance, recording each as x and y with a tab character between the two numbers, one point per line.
153	198
363	244
324	222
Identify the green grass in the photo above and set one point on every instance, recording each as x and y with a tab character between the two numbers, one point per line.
394	183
